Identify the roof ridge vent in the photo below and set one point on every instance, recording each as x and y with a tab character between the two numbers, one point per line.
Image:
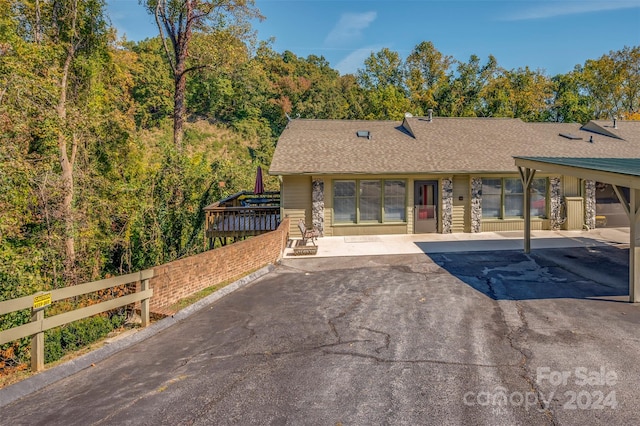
571	136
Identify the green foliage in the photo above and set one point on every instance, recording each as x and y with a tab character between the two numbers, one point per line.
19	277
382	69
427	71
569	105
612	83
152	83
462	94
70	337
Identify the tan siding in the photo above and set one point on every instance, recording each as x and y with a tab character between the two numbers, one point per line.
460	221
513	225
296	201
575	213
328	208
382	229
571	186
411	203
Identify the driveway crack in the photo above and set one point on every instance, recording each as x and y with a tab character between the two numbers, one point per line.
332	321
387	338
514	335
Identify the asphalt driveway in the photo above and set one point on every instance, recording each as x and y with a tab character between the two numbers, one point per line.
448	338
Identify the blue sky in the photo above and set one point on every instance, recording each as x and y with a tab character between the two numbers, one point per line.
552	36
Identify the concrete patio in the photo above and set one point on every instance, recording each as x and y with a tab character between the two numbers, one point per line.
368	245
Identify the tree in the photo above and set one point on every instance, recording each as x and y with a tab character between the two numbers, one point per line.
79	28
629	58
153	84
177	22
520	93
384	87
602	79
306	87
569	104
381	69
462	97
353	95
427	71
611	83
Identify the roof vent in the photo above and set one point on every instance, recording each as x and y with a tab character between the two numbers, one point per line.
615	122
408	115
363	134
571	136
429	115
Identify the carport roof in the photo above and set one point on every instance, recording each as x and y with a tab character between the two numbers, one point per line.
617	171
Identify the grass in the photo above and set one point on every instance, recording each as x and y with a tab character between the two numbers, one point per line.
190	300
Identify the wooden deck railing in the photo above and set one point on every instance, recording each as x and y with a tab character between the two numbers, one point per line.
246	198
242	215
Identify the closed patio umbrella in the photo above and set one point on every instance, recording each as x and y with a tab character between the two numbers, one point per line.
259	186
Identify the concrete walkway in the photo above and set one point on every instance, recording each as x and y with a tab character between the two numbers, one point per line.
368	245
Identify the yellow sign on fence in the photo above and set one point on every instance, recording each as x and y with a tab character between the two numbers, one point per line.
41	300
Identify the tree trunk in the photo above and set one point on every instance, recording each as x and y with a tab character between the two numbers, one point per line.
37	36
179	106
66	162
180	78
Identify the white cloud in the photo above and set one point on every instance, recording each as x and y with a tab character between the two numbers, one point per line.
562	8
355	60
349	27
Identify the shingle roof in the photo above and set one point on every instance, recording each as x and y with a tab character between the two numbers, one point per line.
443	145
623	166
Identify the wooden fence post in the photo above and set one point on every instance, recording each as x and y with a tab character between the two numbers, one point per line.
144	304
37	342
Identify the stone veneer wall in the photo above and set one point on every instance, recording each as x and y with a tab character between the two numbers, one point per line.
317	205
476	204
447	205
557	216
590	203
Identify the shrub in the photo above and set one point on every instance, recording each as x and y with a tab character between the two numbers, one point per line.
70	337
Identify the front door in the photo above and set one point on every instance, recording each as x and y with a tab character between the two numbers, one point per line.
425	213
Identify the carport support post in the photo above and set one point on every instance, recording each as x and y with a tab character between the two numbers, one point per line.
634	246
526	174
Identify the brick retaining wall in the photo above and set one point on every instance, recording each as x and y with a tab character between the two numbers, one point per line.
182	278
